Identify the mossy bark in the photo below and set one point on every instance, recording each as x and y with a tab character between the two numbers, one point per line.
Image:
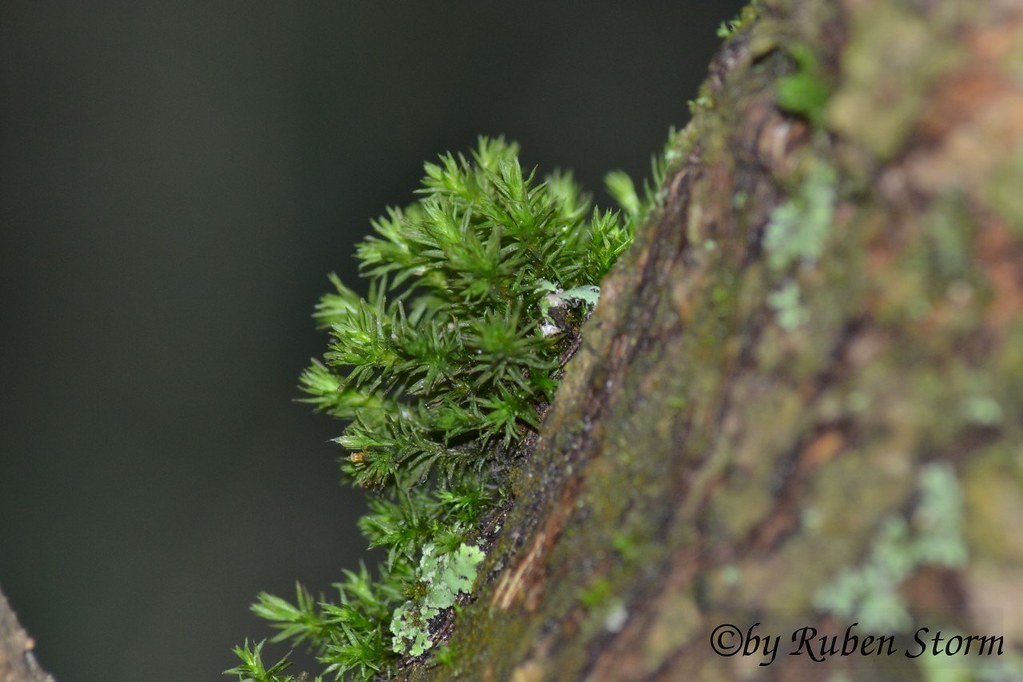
767	424
721	452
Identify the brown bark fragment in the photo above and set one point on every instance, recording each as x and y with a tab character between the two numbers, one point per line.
17	662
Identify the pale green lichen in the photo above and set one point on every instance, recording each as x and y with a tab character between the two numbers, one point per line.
799	228
785	303
939	518
443	577
556	301
796	233
868	593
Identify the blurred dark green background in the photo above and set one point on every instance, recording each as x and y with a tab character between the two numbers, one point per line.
177	180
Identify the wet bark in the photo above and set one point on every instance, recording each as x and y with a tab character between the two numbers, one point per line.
799	402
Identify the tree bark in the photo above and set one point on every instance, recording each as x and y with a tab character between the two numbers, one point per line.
17	663
775	427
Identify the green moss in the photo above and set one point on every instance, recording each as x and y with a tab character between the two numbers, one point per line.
447	656
804	92
596	593
745	18
627	545
476	291
252	667
703	102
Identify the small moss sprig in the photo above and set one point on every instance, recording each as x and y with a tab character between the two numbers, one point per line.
476	292
745	18
441	367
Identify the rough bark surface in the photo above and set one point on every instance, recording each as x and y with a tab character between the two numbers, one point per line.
800	399
17	663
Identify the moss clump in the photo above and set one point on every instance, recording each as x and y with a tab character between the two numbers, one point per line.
804	92
476	292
